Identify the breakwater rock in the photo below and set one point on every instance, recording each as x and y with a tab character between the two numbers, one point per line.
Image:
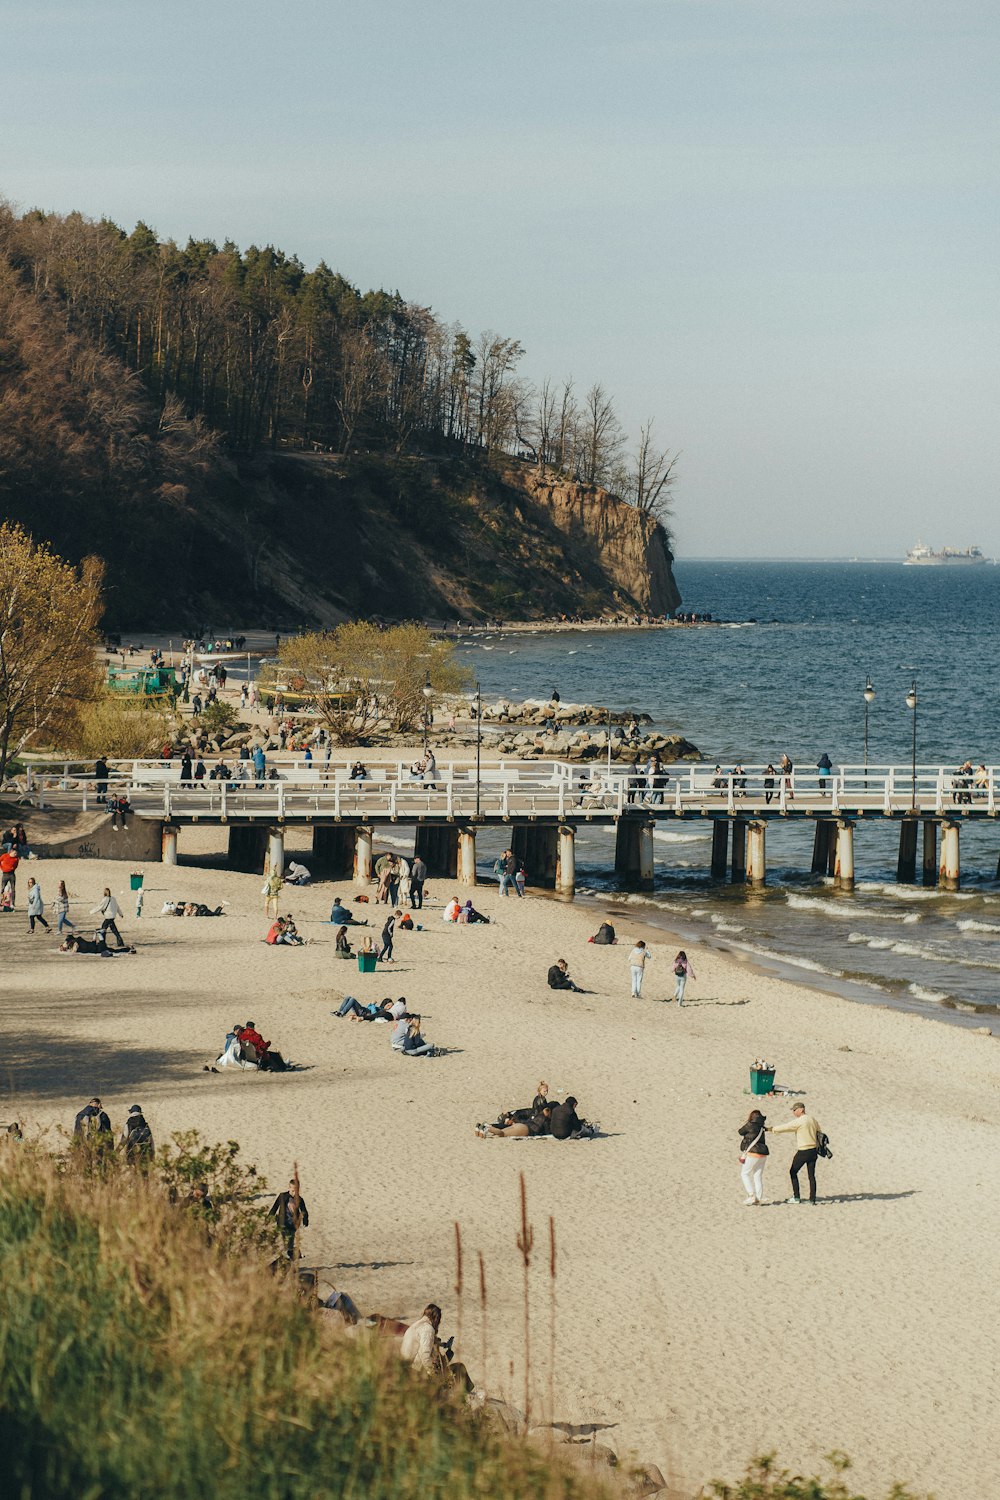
535	711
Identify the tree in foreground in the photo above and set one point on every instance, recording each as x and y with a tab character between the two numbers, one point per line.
358	676
49	614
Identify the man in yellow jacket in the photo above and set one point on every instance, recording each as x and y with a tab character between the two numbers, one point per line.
807	1133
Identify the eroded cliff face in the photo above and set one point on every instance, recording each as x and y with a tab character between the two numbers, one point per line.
630	549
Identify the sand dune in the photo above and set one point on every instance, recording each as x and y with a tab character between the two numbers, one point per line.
703	1330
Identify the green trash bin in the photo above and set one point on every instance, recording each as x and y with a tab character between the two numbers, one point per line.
135	881
366	963
761	1080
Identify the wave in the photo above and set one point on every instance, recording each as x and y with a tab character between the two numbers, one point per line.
969	924
789	958
920	992
721	925
668	836
869	942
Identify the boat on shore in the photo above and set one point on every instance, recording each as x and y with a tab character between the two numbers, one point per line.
922	556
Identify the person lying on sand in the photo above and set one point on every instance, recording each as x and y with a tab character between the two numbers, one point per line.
469	913
190	909
98	946
380	1010
508	1126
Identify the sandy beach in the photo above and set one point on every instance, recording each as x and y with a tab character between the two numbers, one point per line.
699	1330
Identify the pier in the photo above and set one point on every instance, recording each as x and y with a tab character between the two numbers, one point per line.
541	806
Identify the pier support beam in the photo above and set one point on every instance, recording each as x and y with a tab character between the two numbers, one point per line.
634	853
756	845
467	856
168	844
437	846
906	866
824	860
333	848
363	854
949	874
739	851
537	847
275	850
930	852
720	848
247	847
843	870
566	863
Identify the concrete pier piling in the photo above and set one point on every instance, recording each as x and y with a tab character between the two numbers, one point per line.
843	871
363	854
566	864
466	856
168	844
949	873
756	848
276	850
824	857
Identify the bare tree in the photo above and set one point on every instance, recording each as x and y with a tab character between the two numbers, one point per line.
653	476
602	438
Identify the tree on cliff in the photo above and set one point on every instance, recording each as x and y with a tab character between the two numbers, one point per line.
49	614
652	477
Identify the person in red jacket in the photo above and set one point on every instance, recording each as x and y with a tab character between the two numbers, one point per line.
8	869
252	1035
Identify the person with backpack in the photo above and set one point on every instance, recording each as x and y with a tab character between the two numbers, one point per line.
137	1138
682	973
753	1156
810	1142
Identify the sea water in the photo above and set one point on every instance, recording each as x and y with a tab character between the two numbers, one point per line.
785	671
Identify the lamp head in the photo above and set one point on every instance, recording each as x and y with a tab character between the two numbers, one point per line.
869	691
427	688
911	697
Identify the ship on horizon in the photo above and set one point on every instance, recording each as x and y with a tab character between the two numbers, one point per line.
922	556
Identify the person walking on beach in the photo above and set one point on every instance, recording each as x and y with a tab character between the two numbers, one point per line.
520	878
418	874
92	1121
637	961
753	1156
8	869
682	973
272	890
36	906
61	908
807	1134
109	912
290	1210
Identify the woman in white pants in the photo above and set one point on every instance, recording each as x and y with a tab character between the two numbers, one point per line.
637	961
753	1156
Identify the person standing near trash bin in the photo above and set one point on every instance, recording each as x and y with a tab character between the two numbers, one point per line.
753	1156
807	1133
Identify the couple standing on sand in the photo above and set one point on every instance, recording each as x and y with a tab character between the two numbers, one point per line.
809	1142
640	957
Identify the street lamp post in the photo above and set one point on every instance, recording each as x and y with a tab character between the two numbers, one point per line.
911	703
479	740
869	696
609	749
427	704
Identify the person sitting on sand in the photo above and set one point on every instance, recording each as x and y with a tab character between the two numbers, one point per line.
342	946
230	1056
422	1349
469	914
604	936
276	932
296	874
559	978
253	1048
566	1124
341	915
292	934
541	1099
404	921
452	911
406	1038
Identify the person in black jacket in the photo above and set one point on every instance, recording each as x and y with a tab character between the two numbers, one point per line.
290	1210
559	977
565	1122
92	1122
753	1155
137	1138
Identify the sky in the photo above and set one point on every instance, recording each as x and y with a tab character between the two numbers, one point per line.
770	225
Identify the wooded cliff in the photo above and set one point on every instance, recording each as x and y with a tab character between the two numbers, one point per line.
243	440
